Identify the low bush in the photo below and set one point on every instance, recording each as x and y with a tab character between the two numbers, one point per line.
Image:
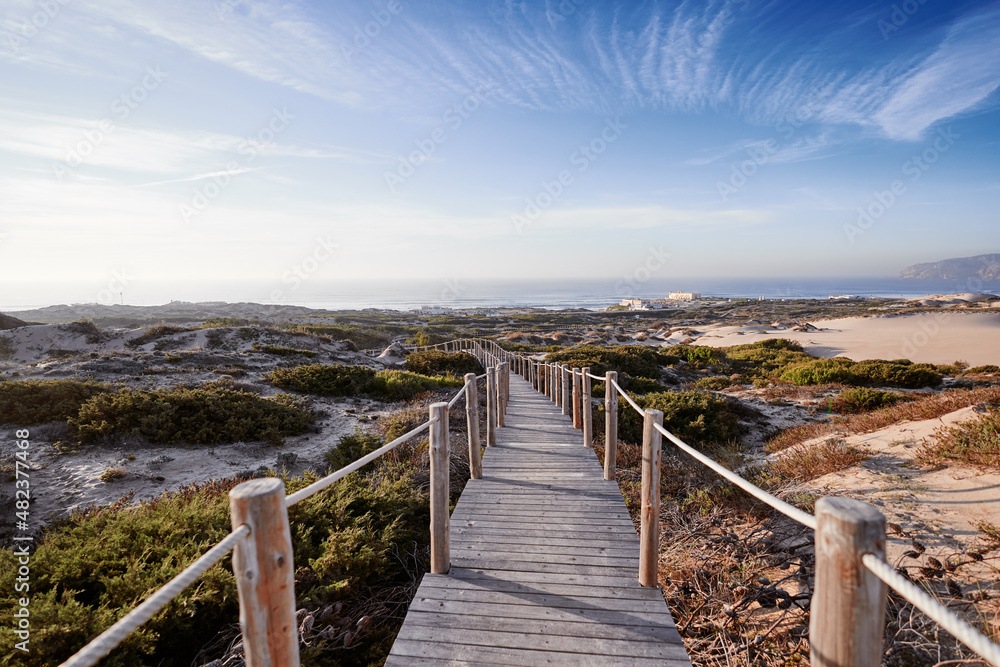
324	380
30	402
210	414
435	362
976	442
634	360
989	368
717	383
697	417
871	373
865	399
697	356
802	464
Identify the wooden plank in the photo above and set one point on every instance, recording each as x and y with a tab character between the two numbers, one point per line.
518	657
536	612
641	633
557	588
546	600
544	578
530	566
591	646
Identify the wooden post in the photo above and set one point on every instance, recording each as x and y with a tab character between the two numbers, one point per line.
543	376
440	499
587	409
649	534
491	406
472	422
847	614
576	398
506	384
265	574
610	425
558	385
554	385
564	384
501	418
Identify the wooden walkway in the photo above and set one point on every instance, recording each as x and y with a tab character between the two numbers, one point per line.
544	561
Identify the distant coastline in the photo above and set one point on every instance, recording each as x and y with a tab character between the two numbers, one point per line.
549	295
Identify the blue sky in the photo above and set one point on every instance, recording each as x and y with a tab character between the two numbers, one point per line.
244	140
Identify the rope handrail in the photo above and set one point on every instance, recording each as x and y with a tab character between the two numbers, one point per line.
934	610
458	396
321	484
788	510
105	642
628	398
595	377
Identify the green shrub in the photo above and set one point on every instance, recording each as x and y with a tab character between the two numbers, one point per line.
7	348
697	417
864	399
820	371
435	362
326	380
698	356
95	566
634	360
989	368
210	414
717	383
637	385
871	373
29	402
350	448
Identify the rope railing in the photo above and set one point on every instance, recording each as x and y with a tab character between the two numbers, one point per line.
850	541
266	526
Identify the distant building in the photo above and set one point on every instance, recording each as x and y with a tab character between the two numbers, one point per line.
845	297
684	296
435	310
642	304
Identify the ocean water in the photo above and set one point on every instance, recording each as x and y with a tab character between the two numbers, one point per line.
553	294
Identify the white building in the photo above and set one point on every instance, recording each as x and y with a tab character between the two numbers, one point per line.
684	296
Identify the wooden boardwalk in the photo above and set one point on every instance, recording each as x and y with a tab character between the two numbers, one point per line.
544	561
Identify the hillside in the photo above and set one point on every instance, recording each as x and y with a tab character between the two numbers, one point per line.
980	267
8	322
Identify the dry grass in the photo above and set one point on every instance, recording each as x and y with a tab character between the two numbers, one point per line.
798	393
802	464
931	407
976	442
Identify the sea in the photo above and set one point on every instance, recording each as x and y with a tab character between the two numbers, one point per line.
590	294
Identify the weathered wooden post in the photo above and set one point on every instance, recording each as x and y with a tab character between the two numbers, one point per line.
440	499
554	385
564	381
506	384
543	371
610	424
558	385
491	406
847	614
501	381
649	534
265	573
587	409
576	398
472	423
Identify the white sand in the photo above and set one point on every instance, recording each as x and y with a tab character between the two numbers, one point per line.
938	338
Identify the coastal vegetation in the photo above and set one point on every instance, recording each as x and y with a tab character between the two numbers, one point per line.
976	442
360	547
388	385
31	402
437	362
